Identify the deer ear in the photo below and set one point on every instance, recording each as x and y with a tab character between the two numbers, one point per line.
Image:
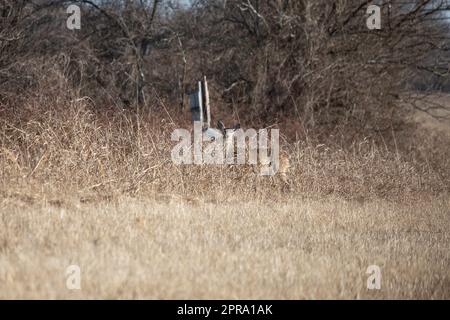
221	126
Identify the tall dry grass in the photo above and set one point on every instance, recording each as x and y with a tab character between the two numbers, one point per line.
66	145
99	189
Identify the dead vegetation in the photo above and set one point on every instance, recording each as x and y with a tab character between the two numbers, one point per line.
71	147
86	175
254	249
100	191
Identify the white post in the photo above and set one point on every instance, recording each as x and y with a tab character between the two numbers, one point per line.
208	112
200	101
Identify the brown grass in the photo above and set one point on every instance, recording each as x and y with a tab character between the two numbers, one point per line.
99	190
173	248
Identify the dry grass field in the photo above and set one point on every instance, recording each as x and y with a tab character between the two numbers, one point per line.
78	188
91	93
294	249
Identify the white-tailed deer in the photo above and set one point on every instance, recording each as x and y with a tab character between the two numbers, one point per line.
278	162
